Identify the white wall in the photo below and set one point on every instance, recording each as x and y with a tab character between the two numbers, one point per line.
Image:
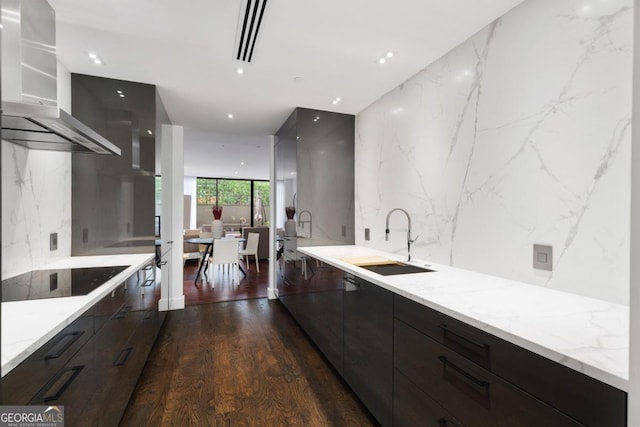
218	155
520	135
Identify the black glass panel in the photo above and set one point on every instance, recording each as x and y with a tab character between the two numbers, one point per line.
40	284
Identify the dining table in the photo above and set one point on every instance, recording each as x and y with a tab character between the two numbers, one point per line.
209	242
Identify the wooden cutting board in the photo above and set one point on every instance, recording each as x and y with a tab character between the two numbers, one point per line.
363	261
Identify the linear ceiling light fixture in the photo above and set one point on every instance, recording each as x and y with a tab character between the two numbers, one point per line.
249	23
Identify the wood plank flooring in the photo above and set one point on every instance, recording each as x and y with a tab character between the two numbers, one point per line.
241	363
253	285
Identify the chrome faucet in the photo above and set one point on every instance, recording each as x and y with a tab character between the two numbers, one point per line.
302	223
409	240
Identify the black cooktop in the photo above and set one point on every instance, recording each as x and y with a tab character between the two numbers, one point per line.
64	282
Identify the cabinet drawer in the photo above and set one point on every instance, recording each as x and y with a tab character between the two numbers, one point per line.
117	372
97	383
588	400
412	407
21	384
470	392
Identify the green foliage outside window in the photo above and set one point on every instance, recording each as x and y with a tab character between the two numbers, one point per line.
261	188
230	191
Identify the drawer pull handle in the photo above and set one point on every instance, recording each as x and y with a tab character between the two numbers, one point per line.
443	422
476	381
123	311
448	330
123	356
64	342
75	370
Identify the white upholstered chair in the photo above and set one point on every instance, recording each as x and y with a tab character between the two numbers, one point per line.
225	252
251	249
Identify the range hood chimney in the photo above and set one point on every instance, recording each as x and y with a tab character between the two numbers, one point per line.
30	113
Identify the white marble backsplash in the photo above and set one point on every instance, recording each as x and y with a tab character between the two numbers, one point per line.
36	201
520	135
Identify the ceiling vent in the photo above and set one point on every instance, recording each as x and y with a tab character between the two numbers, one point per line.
249	23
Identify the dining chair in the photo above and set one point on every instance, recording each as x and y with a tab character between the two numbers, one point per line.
251	249
225	252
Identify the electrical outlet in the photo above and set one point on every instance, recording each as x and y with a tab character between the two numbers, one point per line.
344	231
543	257
366	234
53	241
53	281
85	235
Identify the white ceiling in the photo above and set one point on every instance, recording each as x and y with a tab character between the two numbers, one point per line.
186	49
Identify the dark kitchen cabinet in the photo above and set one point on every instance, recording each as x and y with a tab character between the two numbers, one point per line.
474	395
412	407
96	374
478	376
412	365
368	345
315	301
21	384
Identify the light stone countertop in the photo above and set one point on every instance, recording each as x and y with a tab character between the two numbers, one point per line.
27	325
588	335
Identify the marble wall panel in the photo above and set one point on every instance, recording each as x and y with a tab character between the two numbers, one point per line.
36	201
520	135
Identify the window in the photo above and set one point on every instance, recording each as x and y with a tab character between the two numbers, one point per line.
243	202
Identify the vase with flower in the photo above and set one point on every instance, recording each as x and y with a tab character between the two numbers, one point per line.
217	227
290	223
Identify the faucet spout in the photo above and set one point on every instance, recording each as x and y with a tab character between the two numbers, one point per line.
409	240
302	223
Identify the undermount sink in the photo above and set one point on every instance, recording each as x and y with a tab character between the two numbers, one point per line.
394	268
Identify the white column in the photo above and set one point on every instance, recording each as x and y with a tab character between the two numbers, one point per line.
171	294
272	292
633	401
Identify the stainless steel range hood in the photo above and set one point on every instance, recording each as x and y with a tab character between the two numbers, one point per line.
43	127
30	113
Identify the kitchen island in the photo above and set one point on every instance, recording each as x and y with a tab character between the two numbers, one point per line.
79	334
27	325
523	336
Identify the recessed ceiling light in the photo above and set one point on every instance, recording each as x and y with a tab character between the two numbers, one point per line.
241	163
239	71
383	59
122	95
149	132
336	100
92	55
97	61
229	116
119	91
236	172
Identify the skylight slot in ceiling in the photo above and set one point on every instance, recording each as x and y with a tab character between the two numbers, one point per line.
249	24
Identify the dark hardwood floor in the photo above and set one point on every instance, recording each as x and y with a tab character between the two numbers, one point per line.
240	363
253	285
